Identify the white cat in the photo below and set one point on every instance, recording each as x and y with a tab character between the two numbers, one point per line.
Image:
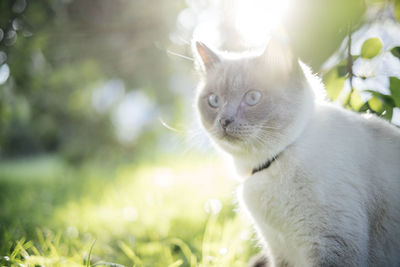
321	183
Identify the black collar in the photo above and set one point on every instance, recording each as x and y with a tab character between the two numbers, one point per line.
265	165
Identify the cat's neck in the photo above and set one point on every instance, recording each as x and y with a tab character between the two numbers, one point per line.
248	161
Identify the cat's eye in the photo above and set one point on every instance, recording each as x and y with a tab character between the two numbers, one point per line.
252	97
214	101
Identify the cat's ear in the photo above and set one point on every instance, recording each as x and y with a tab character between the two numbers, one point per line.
278	57
207	57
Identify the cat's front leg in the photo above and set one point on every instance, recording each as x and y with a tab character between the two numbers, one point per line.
259	260
338	251
262	260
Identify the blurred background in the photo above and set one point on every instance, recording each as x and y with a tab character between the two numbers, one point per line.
102	160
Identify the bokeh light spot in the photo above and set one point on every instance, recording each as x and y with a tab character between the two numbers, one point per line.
129	214
4	73
213	206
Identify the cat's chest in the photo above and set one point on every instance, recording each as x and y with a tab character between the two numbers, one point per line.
280	203
278	198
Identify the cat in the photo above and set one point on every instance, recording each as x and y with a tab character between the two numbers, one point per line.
321	183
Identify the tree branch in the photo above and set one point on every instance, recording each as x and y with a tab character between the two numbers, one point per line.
349	65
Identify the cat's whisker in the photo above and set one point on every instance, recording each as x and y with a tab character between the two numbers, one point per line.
179	55
166	125
267	127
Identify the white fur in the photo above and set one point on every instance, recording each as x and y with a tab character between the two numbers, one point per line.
339	175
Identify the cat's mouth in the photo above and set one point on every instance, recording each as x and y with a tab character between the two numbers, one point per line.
230	137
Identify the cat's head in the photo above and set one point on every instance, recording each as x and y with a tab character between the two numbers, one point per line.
251	103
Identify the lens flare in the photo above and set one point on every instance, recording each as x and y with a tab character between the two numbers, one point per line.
256	20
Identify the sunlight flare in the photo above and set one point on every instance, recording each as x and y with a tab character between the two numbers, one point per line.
256	20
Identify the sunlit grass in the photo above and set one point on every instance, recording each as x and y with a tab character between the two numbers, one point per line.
178	212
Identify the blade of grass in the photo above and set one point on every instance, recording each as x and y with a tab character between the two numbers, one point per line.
111	264
176	264
207	238
90	254
17	249
185	249
129	252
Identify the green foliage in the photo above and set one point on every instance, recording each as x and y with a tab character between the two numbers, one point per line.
334	82
381	104
371	48
365	98
395	90
356	101
397	9
396	51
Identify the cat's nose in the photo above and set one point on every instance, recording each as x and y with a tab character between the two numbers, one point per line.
225	122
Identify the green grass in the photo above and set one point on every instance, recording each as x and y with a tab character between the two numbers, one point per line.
177	212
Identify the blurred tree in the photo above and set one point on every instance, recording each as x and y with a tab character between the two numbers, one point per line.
316	28
56	54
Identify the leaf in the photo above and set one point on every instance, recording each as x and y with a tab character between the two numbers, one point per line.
333	83
395	90
364	107
356	101
397	10
387	100
396	51
371	48
342	71
381	104
376	105
387	114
